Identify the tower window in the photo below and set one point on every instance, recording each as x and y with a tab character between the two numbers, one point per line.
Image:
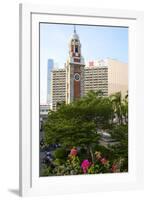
76	49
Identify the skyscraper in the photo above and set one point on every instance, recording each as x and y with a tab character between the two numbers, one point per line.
50	65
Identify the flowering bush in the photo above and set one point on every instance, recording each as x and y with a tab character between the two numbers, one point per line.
73	165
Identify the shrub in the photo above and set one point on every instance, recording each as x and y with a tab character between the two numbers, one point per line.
61	153
46	171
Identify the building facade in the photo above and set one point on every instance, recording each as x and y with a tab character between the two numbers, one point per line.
58	87
112	76
96	78
117	77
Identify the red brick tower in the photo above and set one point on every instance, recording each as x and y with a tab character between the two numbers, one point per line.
74	70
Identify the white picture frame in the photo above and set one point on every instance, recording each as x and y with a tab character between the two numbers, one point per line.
30	182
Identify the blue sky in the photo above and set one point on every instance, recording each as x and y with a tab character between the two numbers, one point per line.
97	42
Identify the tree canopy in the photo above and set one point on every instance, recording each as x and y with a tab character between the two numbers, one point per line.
77	123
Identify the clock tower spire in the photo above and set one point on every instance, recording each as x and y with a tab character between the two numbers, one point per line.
74	69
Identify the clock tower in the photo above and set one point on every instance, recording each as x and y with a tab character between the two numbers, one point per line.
74	70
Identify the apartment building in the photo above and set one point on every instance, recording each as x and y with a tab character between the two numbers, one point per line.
58	87
96	78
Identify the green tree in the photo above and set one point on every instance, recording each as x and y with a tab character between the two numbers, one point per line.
124	108
116	103
76	124
120	107
120	150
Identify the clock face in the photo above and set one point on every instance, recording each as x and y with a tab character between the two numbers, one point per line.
77	77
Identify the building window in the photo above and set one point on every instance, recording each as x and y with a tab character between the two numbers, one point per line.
76	49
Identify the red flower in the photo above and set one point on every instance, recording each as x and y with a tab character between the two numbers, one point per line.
73	152
104	161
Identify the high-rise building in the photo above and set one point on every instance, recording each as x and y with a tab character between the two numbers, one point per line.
50	65
58	87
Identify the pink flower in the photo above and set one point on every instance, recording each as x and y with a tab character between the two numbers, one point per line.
103	161
85	165
73	152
